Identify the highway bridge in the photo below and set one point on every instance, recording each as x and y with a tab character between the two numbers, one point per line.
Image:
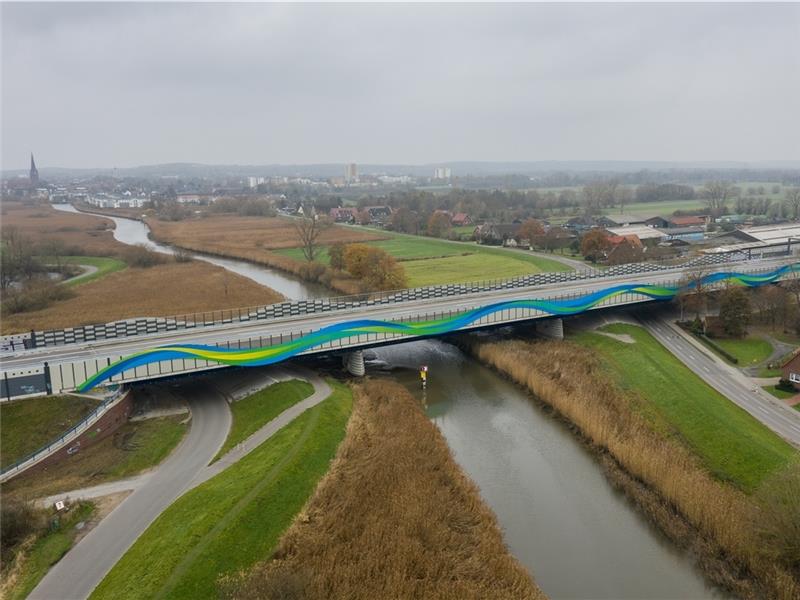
256	337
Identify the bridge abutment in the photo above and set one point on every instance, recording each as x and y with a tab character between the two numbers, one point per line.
551	328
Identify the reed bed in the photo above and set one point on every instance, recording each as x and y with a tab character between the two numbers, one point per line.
395	517
570	379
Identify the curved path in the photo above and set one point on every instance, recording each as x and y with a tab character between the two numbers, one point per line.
84	567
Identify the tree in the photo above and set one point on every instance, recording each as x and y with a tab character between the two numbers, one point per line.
405	221
530	230
594	245
793	200
692	293
771	303
735	311
336	255
438	224
717	193
376	269
308	229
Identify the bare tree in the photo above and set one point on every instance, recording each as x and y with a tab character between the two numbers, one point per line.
793	199
308	228
717	193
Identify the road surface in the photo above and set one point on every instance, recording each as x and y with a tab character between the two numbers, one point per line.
729	381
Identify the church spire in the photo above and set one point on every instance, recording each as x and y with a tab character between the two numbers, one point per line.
34	173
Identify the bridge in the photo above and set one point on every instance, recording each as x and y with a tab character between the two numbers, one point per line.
82	358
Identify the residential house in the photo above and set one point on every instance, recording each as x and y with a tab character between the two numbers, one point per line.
342	214
497	234
461	220
790	370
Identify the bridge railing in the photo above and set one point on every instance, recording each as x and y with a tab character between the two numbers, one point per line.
151	325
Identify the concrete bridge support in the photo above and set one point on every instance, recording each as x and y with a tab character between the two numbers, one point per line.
355	363
551	328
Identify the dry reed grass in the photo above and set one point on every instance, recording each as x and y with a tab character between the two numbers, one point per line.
395	517
570	379
80	234
162	290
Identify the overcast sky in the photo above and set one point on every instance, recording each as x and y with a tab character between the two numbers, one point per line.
102	85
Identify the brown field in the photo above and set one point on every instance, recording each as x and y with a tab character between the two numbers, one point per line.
395	517
82	234
663	476
167	289
245	237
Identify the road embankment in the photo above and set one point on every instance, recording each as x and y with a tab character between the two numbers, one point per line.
717	522
394	517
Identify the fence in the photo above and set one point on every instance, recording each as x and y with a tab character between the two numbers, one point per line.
117	393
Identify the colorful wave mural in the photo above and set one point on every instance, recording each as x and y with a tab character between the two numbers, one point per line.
256	357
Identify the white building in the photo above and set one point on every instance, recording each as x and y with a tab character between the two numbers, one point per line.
441	173
255	181
351	173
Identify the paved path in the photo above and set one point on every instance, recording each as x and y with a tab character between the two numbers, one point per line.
728	380
83	567
87	564
87	270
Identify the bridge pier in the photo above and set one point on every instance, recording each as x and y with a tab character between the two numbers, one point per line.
355	363
551	328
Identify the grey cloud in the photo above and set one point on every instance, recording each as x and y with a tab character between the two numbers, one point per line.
126	84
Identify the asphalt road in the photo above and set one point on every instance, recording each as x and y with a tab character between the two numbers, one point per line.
729	381
115	348
83	567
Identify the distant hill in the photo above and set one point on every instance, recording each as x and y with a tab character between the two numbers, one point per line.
463	168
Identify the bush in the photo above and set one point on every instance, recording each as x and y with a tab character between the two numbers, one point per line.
35	295
142	257
312	271
182	255
18	521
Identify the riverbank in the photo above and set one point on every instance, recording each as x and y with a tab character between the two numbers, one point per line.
715	521
405	519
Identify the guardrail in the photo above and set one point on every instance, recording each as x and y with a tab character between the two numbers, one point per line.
117	393
144	326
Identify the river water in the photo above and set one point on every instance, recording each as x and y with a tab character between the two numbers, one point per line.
561	518
133	232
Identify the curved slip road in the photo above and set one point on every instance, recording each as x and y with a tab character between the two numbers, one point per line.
83	567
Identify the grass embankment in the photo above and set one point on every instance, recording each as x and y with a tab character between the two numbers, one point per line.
167	289
395	517
236	518
684	406
41	549
135	446
256	410
104	265
748	351
27	425
657	454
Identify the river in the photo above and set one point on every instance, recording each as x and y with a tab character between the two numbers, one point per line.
133	232
560	516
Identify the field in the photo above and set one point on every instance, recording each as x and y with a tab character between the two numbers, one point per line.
30	424
430	261
163	290
395	517
663	209
135	446
711	425
245	237
80	234
748	351
256	410
236	518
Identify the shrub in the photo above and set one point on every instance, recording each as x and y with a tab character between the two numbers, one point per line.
141	256
18	521
182	256
35	295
